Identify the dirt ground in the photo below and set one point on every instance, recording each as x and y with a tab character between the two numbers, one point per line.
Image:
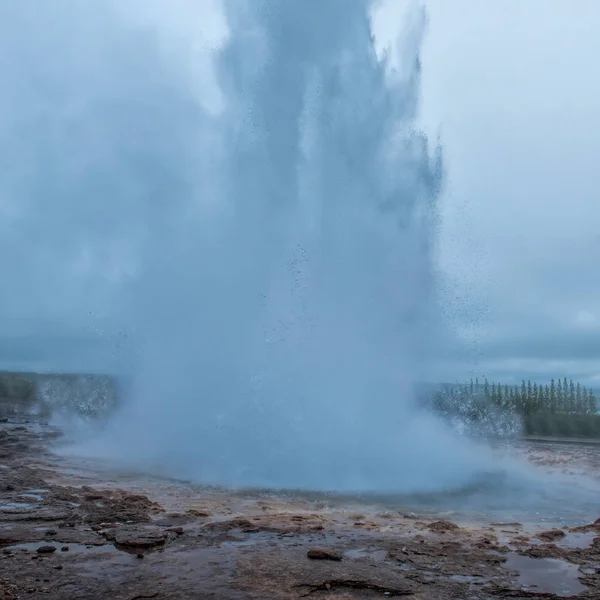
68	532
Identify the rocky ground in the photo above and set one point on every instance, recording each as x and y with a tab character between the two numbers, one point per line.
68	532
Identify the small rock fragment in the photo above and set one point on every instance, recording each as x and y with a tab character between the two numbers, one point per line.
46	549
443	526
64	549
551	535
177	530
318	554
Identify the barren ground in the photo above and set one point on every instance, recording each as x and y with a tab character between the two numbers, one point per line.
70	531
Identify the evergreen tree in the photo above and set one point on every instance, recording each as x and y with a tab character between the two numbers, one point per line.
529	392
572	397
552	399
512	400
592	406
578	399
486	388
584	400
560	401
521	393
536	399
566	401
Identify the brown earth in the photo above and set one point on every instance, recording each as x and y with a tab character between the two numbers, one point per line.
73	533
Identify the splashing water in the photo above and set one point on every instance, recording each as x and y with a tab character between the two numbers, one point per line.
268	253
289	318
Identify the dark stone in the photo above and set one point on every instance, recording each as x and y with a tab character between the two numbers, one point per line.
317	554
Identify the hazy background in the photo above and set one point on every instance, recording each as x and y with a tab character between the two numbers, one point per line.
511	89
512	86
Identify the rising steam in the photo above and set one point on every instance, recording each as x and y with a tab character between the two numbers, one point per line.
259	227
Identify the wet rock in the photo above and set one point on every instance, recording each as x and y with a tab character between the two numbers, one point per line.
64	549
544	551
51	532
198	513
176	530
442	526
46	549
221	526
595	526
131	537
319	554
115	506
93	497
551	535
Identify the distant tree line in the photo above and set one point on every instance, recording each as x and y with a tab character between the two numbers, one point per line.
558	397
559	408
15	386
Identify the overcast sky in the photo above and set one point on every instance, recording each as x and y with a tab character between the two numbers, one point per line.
511	87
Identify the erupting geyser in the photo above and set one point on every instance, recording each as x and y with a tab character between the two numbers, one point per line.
270	256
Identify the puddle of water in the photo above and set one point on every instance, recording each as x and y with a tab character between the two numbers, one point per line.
366	553
32	496
253	540
468	579
577	540
16	507
73	548
546	575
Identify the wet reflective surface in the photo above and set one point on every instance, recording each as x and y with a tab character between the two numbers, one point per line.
548	575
